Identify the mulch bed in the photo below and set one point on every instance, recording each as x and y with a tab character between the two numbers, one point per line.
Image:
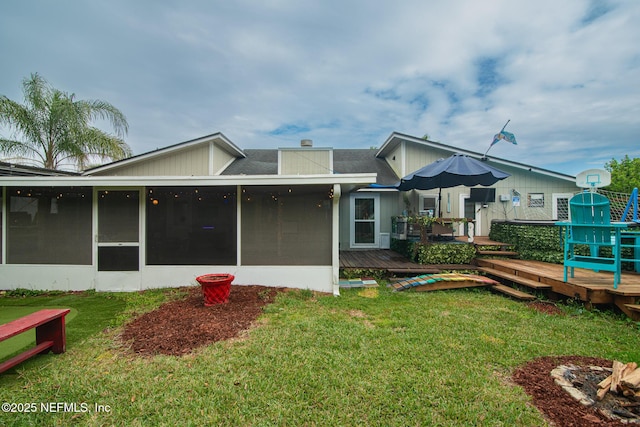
560	408
179	327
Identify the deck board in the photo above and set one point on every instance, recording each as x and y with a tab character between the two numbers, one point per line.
385	259
587	285
583	277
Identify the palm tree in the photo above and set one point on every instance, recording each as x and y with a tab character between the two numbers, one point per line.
54	128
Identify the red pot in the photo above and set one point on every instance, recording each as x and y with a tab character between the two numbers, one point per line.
215	288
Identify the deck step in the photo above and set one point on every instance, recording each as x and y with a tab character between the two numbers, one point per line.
633	307
510	254
516	279
513	292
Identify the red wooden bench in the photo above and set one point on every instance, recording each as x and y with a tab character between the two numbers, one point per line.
50	334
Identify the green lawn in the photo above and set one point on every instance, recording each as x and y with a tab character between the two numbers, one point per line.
374	358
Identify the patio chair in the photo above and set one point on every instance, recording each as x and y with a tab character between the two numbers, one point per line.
591	225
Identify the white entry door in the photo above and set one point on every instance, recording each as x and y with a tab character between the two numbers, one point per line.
470	210
365	220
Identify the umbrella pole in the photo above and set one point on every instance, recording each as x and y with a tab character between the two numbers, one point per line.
440	202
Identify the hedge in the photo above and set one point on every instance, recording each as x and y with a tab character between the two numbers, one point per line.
435	253
541	242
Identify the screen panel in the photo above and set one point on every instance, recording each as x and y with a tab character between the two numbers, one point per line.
49	225
191	226
286	225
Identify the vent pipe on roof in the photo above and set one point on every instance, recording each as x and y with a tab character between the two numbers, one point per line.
306	143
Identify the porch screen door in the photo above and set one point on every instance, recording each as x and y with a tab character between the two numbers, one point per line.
365	221
118	230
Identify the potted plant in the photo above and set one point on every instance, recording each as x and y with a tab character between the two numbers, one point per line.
215	288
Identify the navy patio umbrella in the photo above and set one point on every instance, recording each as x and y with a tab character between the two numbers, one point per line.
453	171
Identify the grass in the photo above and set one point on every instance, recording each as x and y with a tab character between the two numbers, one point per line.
366	358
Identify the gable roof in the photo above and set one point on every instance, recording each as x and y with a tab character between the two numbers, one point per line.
217	137
255	162
345	161
397	138
363	161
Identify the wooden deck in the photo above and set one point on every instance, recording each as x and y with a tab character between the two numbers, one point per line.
393	262
588	286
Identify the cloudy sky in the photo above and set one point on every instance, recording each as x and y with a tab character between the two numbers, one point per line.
346	73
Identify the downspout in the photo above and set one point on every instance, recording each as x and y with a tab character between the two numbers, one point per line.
335	240
238	227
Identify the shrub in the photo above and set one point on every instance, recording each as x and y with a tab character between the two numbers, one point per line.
443	253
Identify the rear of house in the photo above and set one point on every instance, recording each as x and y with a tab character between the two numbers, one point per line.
275	217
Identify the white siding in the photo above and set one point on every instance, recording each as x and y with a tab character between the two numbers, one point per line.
522	181
221	159
305	161
395	160
192	161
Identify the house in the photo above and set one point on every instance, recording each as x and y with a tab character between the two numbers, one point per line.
530	193
274	217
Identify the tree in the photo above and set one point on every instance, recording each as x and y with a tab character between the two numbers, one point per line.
625	174
54	128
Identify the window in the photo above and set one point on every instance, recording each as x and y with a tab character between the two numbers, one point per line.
561	206
191	226
535	200
284	225
49	225
429	205
365	220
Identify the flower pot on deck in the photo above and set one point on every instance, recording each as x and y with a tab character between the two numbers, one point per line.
215	288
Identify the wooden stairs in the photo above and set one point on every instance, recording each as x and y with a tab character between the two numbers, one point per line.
513	277
592	288
513	292
633	311
488	248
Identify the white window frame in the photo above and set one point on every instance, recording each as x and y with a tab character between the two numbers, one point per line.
535	200
376	220
555	197
421	200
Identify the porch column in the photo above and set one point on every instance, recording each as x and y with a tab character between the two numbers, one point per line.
238	225
335	240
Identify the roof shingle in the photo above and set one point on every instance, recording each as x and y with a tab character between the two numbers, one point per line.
265	162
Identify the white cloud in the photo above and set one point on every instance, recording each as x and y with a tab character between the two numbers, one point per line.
347	73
